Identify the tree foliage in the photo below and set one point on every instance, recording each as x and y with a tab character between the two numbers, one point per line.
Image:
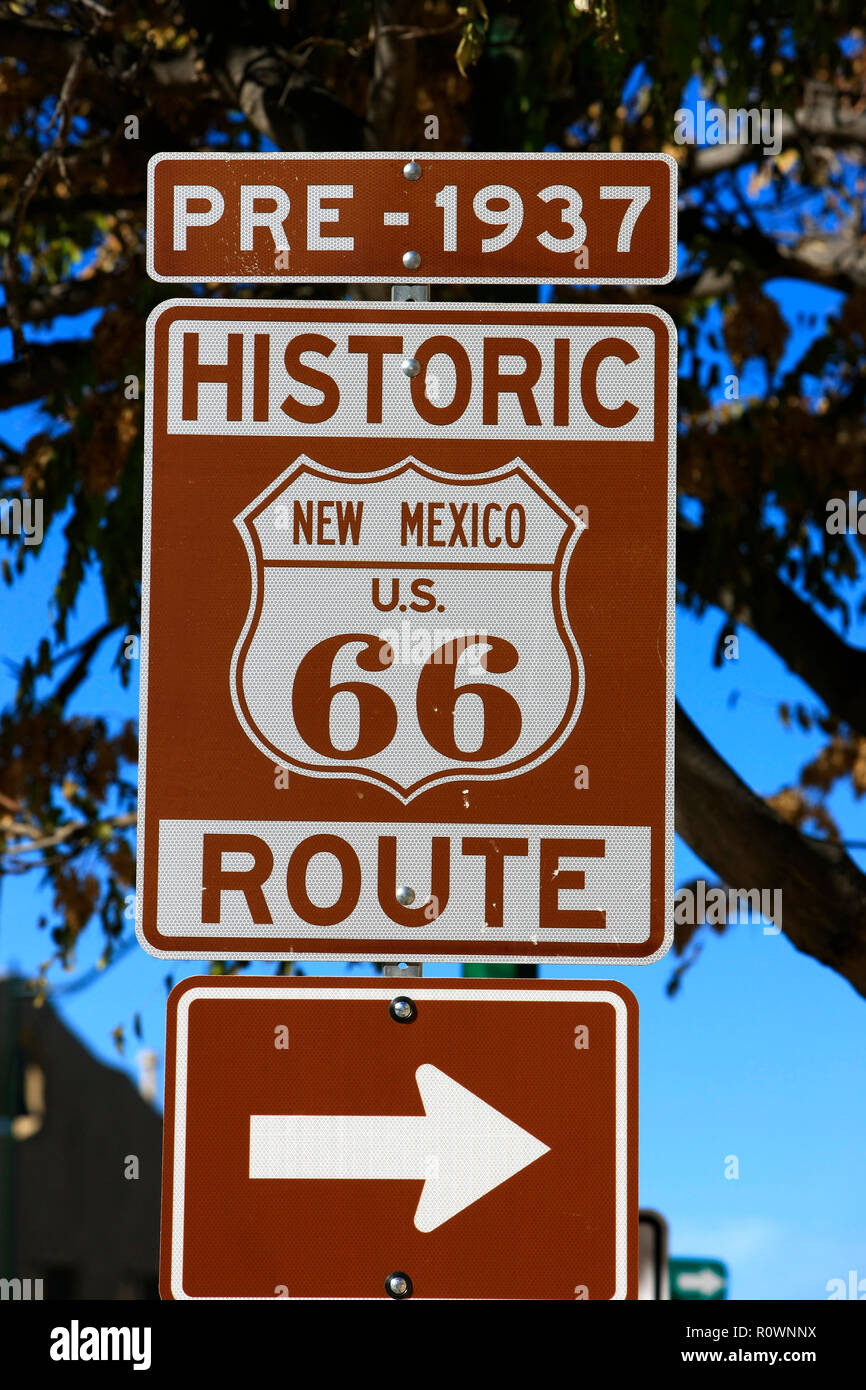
88	91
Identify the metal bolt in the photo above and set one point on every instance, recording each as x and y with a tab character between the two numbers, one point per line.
405	895
412	171
412	260
403	1010
398	1285
410	366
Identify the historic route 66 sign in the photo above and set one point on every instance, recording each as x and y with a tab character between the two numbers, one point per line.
326	624
407	662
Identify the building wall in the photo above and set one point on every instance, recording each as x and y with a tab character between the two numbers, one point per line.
68	1213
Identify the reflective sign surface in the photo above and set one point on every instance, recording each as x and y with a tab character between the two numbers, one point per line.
407	644
323	1136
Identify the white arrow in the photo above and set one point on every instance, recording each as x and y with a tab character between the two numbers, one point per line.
461	1147
705	1281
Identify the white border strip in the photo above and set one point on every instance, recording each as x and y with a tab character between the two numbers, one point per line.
376	993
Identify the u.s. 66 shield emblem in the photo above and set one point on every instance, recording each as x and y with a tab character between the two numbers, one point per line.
407	627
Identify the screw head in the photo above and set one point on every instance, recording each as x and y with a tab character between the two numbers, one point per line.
412	171
412	260
410	366
405	895
403	1010
398	1285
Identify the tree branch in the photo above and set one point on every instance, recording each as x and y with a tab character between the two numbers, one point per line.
809	647
32	42
748	845
40	840
820	120
391	114
84	653
283	102
79	205
48	366
49	156
70	297
837	261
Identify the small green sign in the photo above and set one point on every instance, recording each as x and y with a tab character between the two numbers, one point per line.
499	971
698	1279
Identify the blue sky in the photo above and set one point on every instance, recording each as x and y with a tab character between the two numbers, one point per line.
759	1056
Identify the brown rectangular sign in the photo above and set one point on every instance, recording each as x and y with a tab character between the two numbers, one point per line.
424	1139
431	218
407	641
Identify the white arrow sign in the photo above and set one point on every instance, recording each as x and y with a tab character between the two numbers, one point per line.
461	1147
704	1281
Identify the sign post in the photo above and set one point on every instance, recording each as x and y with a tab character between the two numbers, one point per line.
653	1273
